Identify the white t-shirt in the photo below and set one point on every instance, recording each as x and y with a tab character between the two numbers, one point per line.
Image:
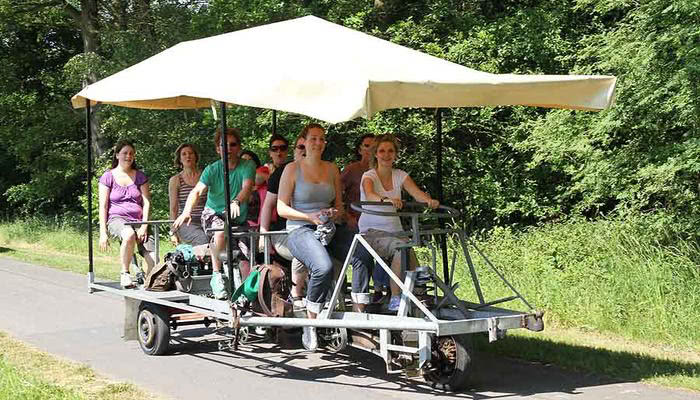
387	224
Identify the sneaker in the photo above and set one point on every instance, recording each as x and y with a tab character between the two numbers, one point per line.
308	338
125	280
394	303
218	286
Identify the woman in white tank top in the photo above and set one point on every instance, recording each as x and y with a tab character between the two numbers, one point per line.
384	183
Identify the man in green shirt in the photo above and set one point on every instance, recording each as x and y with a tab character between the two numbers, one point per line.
241	182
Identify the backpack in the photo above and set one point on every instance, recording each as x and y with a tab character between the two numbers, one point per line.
267	288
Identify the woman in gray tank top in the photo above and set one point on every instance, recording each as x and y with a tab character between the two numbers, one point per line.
310	188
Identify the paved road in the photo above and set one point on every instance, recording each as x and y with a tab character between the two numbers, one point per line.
52	310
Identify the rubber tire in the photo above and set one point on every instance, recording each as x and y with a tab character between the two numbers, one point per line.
459	378
153	329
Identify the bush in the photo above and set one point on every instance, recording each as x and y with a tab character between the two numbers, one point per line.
635	276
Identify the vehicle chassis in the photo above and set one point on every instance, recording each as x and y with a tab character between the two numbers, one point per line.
432	339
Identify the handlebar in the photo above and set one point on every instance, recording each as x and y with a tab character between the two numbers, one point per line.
447	212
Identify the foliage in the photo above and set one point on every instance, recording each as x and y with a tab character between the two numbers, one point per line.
503	166
635	277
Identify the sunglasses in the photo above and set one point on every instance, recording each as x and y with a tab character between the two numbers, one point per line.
301	147
282	147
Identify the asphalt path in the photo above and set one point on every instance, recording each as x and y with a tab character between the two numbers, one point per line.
53	311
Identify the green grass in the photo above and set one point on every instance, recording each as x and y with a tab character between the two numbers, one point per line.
27	373
51	243
631	278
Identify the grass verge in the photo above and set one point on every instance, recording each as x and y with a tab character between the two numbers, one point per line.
27	373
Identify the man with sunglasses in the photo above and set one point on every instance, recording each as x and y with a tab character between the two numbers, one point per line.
241	182
278	149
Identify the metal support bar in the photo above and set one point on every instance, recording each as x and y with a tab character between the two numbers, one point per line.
424	350
503	278
472	270
499	301
88	137
224	152
404	289
341	281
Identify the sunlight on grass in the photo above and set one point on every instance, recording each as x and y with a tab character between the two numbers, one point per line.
27	373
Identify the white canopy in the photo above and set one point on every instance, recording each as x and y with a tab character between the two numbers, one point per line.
316	68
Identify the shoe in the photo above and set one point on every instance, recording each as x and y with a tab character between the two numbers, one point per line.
125	281
394	303
218	286
308	338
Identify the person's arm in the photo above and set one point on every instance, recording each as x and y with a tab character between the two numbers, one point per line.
266	216
104	208
372	195
284	198
191	202
418	194
146	196
246	190
338	203
173	189
266	211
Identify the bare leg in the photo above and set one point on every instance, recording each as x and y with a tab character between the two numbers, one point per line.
217	247
396	268
126	250
299	276
150	258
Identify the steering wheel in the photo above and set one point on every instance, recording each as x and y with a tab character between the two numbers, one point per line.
440	212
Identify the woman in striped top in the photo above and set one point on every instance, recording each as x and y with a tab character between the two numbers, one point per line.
179	187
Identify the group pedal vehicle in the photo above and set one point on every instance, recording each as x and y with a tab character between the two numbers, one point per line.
430	335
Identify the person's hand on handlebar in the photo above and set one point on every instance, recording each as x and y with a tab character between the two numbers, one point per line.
433	203
398	203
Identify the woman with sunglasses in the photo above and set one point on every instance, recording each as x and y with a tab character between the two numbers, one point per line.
310	193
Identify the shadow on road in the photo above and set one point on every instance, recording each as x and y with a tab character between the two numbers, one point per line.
625	366
5	249
494	375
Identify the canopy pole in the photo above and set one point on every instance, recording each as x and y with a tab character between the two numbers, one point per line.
88	148
440	194
229	231
274	122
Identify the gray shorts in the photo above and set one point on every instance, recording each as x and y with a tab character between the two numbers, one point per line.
116	226
383	243
212	220
192	234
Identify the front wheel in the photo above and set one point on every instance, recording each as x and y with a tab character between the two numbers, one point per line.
450	363
153	329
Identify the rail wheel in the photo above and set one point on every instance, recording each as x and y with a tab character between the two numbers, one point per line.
336	339
153	329
450	363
